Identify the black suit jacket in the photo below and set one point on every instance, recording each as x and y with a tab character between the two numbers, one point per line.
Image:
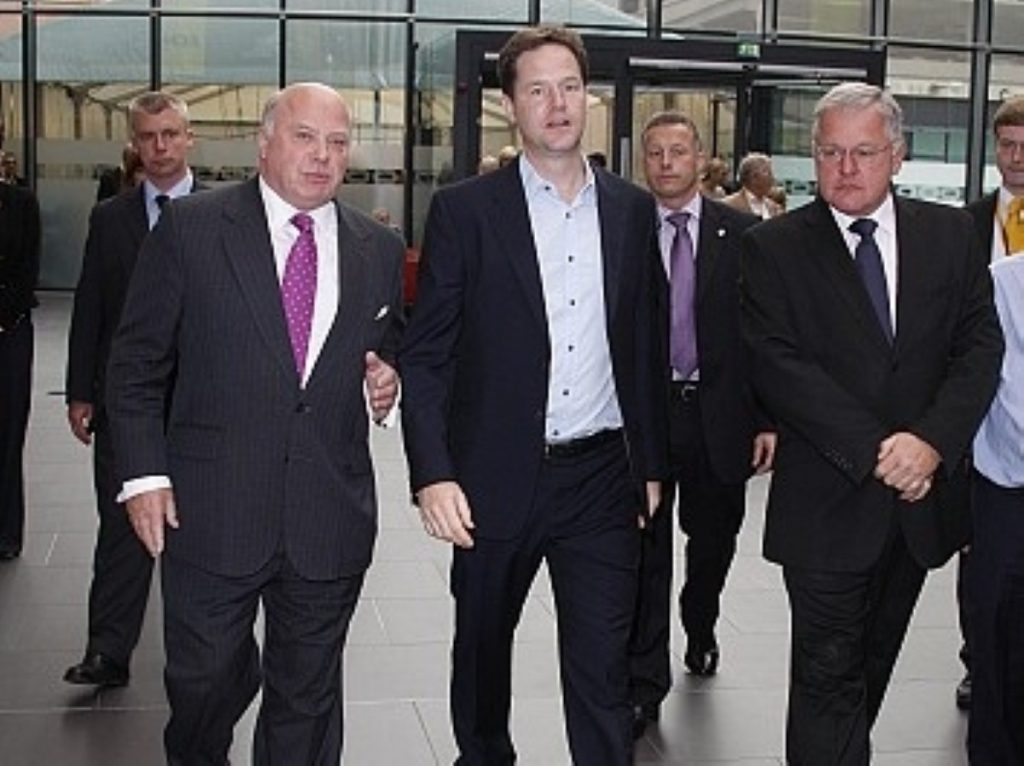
117	228
836	388
19	253
475	358
727	408
259	465
983	213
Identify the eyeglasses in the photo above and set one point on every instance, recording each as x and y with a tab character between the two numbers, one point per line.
860	155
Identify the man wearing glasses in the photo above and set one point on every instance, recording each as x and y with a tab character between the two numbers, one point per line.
876	347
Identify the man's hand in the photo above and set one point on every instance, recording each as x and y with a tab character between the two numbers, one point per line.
445	513
381	386
148	513
653	503
906	463
764	452
80	418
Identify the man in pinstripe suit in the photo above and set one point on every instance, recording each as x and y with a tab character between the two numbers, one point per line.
269	303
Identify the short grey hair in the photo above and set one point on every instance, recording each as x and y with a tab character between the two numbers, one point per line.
154	102
753	164
858	96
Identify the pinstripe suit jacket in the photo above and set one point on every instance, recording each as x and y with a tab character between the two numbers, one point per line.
258	464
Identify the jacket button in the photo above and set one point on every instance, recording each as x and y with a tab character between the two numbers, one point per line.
302	408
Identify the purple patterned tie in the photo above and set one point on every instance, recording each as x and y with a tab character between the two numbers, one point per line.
298	289
683	281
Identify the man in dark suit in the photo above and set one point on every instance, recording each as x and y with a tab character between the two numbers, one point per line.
122	568
876	348
269	303
534	405
717	439
19	268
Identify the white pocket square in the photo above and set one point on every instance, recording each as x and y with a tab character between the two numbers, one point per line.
382	312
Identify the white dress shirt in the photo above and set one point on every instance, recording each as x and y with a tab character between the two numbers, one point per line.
885	238
150	193
567	236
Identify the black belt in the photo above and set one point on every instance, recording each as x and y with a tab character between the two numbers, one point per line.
583	445
685	390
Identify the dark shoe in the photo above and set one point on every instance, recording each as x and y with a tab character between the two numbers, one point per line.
9	554
643	716
963	693
97	670
700	661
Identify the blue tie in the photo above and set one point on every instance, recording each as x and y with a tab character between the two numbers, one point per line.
869	264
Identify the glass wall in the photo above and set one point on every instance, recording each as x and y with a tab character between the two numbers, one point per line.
88	67
225	56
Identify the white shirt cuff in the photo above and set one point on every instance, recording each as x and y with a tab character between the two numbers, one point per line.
134	487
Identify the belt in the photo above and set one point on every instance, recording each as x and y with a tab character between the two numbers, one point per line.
685	390
583	445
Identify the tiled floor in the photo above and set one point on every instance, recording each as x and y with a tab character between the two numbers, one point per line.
397	658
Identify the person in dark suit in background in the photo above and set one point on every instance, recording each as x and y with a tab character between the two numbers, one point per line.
876	348
274	306
534	405
716	435
122	568
20	232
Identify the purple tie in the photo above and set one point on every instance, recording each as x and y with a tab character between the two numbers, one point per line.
683	281
298	289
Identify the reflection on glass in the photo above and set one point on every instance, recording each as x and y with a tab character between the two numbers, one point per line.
729	16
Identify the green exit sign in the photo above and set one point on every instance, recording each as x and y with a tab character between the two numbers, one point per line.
748	50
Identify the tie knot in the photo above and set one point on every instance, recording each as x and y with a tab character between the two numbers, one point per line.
865	227
1016	206
161	200
679	220
303	222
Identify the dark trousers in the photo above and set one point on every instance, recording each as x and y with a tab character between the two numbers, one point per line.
16	347
710	513
996	586
214	667
963	606
584	524
847	629
122	569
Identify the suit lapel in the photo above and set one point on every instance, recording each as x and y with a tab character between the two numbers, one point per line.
353	252
612	216
912	258
834	259
512	228
709	246
247	244
138	227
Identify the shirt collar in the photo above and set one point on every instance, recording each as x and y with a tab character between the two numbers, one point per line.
693	207
535	185
180	189
280	213
1003	203
884	215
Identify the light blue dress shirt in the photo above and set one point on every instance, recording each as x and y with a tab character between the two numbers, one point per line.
581	390
999	443
150	192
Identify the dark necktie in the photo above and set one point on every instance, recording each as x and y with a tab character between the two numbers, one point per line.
683	282
298	289
160	200
869	264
